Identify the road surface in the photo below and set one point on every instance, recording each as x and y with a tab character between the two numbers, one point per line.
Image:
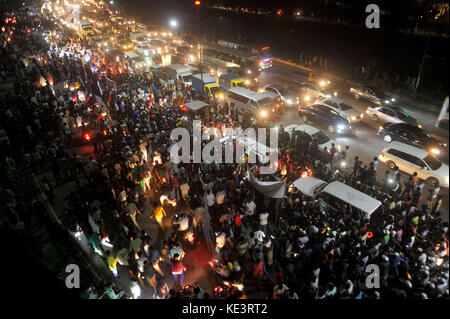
365	143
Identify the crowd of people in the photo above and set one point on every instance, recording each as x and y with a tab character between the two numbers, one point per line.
294	247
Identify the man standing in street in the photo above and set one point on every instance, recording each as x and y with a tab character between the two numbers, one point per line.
263	222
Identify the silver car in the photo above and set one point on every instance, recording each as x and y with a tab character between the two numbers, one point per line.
384	114
287	96
366	94
340	105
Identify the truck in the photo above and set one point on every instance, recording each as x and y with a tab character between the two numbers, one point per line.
86	28
208	86
180	72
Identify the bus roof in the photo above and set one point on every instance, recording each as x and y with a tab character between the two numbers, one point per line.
248	93
230	51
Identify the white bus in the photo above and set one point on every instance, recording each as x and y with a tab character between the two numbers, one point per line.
252	102
443	115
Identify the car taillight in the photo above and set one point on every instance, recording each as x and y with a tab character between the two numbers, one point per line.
382	154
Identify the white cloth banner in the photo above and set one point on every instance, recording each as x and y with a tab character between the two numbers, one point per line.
269	189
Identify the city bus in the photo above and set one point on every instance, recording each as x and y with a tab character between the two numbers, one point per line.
443	115
217	56
264	54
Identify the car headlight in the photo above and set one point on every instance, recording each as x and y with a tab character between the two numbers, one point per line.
361	115
249	72
263	113
353	118
447	180
289	101
322	83
307	98
387	101
340	126
328	82
393	99
435	151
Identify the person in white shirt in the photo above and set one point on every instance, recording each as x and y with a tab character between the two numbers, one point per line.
132	211
259	235
263	221
209	198
249	207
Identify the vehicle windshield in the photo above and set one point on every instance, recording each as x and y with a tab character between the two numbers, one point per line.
321	138
345	107
215	90
266	101
284	91
433	162
421	134
186	78
242	84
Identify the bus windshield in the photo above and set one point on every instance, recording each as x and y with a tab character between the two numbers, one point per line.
215	90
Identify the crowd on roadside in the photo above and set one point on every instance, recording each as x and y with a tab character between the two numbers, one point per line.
307	249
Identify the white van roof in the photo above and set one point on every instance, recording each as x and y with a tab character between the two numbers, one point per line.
132	55
352	196
308	186
248	93
196	105
409	149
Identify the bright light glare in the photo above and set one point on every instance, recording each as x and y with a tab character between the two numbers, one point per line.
173	23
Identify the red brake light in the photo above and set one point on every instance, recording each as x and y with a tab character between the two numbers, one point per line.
382	154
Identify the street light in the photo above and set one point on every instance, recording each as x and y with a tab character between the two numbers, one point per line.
173	23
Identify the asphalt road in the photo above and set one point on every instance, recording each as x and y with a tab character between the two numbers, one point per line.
365	143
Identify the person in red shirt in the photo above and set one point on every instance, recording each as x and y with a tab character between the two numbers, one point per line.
178	269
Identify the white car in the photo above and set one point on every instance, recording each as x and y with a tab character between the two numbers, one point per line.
384	114
143	49
340	105
309	132
410	159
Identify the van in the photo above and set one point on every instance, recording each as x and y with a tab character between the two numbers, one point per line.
250	102
337	191
410	159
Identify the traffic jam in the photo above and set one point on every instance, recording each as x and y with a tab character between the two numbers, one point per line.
343	148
